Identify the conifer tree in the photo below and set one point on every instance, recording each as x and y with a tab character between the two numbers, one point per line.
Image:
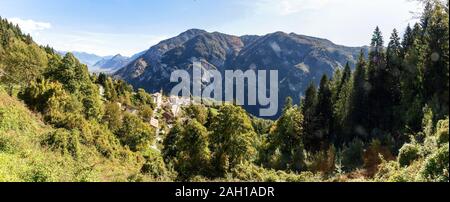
407	41
308	107
341	113
324	113
358	109
346	75
379	92
393	68
436	70
341	92
412	101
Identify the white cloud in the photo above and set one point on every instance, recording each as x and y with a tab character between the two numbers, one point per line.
67	39
288	7
30	26
98	43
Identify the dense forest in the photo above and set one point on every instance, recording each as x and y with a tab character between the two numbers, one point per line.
384	120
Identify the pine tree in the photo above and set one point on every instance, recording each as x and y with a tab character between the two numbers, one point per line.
436	71
341	116
412	101
407	41
378	76
341	92
346	75
417	32
308	107
288	104
358	120
426	15
411	34
393	67
324	113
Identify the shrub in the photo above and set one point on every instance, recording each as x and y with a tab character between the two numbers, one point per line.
135	133
92	107
170	149
5	144
391	171
442	132
77	122
198	112
11	168
146	113
249	172
112	116
374	156
388	170
67	142
104	140
436	166
154	166
352	155
324	161
142	98
408	154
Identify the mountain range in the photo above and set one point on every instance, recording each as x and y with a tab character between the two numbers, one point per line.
299	59
113	63
106	64
88	59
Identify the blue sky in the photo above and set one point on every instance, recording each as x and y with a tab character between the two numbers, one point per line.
108	27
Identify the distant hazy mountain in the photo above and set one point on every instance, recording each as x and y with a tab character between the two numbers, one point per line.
114	63
98	63
86	58
300	59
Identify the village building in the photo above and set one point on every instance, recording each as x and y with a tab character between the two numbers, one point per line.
158	99
154	123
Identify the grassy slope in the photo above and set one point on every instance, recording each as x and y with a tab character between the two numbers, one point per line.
23	158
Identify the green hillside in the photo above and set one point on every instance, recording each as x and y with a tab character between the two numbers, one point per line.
26	155
55	132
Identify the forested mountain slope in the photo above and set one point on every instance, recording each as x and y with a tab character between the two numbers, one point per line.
299	59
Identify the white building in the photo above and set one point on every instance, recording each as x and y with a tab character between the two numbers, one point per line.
176	110
157	99
154	123
175	100
177	103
